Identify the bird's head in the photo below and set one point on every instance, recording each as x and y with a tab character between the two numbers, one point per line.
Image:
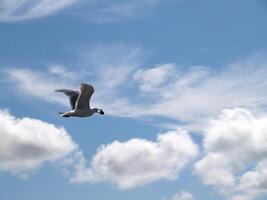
99	111
83	87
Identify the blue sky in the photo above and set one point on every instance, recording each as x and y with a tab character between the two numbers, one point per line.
182	83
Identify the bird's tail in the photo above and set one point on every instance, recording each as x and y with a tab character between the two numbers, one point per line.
63	114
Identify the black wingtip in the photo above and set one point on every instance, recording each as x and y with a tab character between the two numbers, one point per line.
101	112
60	90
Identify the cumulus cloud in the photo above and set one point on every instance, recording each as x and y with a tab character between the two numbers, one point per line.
253	183
138	161
27	143
255	179
17	10
184	195
234	144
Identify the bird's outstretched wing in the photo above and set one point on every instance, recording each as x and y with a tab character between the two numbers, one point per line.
83	100
73	96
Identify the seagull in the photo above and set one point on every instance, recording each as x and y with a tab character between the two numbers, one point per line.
80	102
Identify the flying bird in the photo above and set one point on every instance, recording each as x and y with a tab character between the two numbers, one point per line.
80	102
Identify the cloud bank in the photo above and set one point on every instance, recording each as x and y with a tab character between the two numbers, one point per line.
138	162
235	147
27	143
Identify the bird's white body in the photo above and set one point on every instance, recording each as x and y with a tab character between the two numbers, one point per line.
78	113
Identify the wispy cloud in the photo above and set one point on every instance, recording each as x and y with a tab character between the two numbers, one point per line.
107	68
183	195
151	79
62	71
186	96
38	84
94	11
17	10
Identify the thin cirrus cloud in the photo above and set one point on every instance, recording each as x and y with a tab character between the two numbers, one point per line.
235	154
94	11
39	84
109	68
18	10
183	195
27	143
190	96
138	162
154	78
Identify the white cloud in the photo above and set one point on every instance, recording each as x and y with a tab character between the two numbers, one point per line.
113	64
152	79
110	68
183	196
63	72
215	170
255	179
233	144
39	85
95	11
138	162
27	143
201	93
253	183
190	96
17	10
